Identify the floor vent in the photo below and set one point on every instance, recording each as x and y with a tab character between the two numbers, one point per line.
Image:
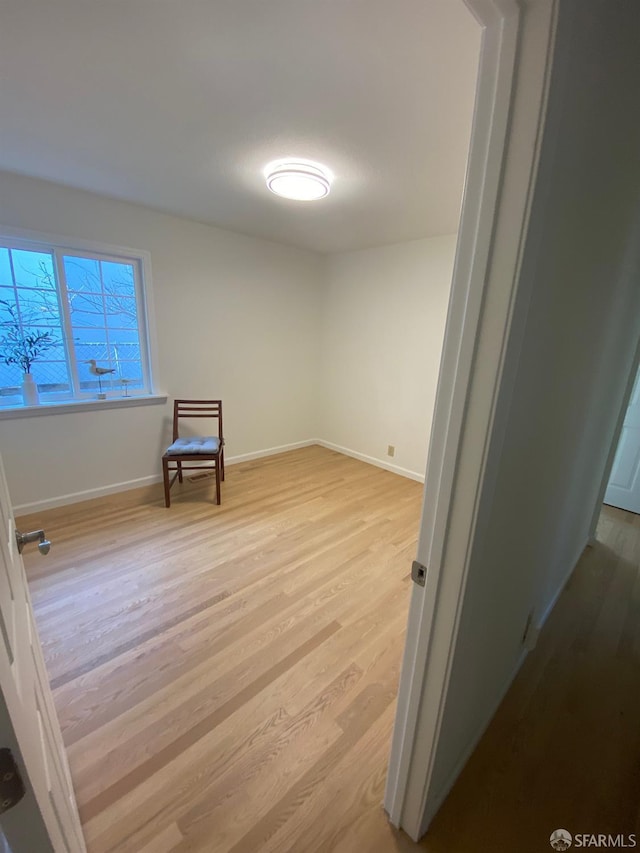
195	477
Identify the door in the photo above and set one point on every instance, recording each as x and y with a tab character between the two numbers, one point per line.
623	490
28	721
511	97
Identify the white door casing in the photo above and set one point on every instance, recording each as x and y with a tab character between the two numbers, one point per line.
623	490
28	700
517	45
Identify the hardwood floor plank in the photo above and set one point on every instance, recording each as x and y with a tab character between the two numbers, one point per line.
138	640
267	833
342	795
373	702
163	798
271	770
163	756
165	842
222	784
149	669
204	686
302	682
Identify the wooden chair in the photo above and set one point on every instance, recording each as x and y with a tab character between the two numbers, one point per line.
194	449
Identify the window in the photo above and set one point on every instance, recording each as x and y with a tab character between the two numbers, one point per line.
87	309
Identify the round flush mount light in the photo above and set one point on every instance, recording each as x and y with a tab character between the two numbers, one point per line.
301	180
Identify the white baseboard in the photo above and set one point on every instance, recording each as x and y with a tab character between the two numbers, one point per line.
85	495
270	451
102	491
371	460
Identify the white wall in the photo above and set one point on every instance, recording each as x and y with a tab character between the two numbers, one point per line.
383	319
572	356
237	318
245	320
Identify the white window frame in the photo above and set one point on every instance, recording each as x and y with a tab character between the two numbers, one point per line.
15	238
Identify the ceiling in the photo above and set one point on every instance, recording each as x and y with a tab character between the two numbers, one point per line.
178	105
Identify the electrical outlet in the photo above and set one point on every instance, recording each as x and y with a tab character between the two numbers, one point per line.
391	451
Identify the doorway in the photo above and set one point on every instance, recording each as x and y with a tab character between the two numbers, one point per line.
474	259
623	487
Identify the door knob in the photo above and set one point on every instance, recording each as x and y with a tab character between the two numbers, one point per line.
22	539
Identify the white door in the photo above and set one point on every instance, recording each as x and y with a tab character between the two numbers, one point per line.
624	484
511	98
28	721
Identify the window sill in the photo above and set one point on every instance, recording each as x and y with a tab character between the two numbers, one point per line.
64	408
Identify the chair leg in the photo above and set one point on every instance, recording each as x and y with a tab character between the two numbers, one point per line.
218	481
179	472
222	462
167	486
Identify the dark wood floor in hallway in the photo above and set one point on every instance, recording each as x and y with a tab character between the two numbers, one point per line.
226	676
563	751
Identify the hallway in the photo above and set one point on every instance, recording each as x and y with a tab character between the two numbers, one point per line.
563	751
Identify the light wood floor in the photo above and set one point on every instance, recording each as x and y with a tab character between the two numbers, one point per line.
225	676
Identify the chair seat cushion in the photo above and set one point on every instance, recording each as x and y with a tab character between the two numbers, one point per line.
204	444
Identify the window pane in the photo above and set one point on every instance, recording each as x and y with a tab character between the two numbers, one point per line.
47	337
5	268
7	301
51	376
124	352
39	307
33	269
91	303
87	309
104	319
123	336
121	313
30	325
88	320
118	278
91	343
10	378
83	274
56	353
82	320
131	371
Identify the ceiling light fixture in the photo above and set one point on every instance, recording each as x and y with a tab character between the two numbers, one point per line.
301	180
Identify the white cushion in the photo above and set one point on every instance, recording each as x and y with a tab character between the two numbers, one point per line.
206	444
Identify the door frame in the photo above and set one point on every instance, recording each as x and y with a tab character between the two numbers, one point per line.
617	434
501	175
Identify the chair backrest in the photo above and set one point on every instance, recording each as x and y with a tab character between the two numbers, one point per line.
197	409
